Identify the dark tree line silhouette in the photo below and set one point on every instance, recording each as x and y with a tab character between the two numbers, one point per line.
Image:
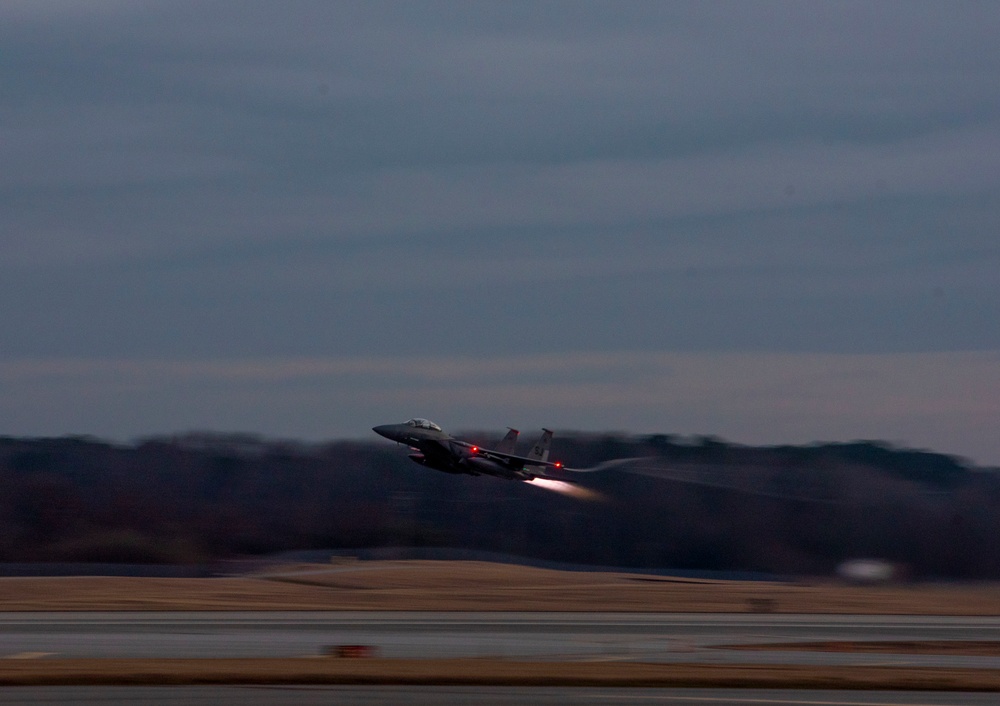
696	503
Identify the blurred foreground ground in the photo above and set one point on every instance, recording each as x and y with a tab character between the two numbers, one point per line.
477	586
471	672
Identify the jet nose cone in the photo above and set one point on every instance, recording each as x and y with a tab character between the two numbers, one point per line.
382	430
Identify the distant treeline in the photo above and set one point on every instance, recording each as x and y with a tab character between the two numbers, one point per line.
686	503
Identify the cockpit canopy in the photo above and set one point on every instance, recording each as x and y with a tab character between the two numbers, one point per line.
423	424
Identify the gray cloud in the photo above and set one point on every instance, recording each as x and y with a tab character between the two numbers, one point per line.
749	397
219	180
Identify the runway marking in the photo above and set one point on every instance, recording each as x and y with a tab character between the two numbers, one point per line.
784	702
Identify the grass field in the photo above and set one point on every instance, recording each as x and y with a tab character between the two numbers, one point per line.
484	672
459	586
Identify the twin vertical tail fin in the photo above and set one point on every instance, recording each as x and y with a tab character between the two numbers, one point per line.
540	451
506	445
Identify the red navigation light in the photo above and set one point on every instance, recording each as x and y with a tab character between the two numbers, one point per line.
475	449
558	464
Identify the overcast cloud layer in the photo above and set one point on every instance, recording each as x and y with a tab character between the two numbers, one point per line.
308	218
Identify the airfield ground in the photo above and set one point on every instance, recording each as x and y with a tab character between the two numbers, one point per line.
473	586
472	672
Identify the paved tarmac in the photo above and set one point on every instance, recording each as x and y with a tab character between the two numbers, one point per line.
478	696
543	636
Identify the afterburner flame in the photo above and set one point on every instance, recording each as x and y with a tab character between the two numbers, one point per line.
573	491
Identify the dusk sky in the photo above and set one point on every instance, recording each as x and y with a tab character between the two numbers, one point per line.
774	222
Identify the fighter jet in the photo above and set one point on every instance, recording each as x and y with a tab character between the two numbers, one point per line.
434	448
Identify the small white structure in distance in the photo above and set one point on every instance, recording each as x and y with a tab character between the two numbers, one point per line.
868	571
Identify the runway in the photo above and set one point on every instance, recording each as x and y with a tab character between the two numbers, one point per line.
480	696
636	637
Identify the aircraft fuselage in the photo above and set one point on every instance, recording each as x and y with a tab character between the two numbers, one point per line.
434	448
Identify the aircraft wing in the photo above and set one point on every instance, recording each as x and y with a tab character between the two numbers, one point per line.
557	465
509	458
514	458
